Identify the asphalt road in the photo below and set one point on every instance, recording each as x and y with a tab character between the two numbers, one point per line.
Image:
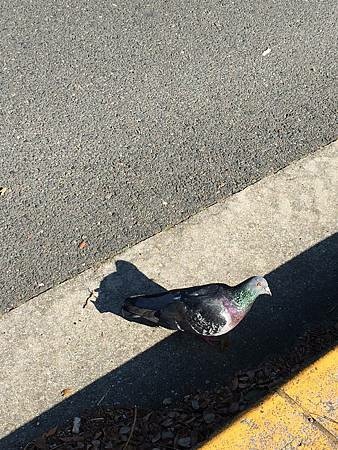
119	118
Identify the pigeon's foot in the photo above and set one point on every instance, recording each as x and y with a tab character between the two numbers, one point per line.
222	342
210	340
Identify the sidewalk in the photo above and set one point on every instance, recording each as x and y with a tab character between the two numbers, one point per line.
283	226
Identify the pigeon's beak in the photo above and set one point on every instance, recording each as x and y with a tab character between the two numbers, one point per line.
267	291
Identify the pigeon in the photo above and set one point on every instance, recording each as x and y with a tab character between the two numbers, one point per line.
210	311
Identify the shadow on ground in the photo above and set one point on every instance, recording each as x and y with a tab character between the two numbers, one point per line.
304	296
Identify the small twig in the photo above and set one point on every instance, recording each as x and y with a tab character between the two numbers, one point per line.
91	294
324	417
59	446
54	448
288	443
132	429
103	396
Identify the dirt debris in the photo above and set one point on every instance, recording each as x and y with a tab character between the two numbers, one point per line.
190	422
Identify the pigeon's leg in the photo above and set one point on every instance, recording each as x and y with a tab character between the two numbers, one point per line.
212	340
223	342
217	341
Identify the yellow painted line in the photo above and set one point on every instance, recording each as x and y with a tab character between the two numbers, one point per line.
300	415
315	389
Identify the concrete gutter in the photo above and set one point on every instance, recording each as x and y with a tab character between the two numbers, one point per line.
284	226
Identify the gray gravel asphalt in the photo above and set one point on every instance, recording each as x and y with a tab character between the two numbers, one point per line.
119	118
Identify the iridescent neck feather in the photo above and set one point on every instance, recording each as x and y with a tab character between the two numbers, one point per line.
244	298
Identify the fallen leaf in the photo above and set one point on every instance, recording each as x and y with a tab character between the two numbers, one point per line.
156	438
50	432
83	245
66	392
167	423
40	443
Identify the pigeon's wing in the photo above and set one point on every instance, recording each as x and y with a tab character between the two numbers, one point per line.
173	316
173	309
201	294
196	309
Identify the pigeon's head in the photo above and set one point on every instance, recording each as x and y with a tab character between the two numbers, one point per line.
259	286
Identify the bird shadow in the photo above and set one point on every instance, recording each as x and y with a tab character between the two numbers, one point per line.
304	297
126	281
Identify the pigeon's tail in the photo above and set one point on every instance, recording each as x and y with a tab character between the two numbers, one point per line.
141	309
148	309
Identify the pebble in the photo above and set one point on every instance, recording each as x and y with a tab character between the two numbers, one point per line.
233	408
208	417
124	430
76	425
266	52
184	442
195	405
167	434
